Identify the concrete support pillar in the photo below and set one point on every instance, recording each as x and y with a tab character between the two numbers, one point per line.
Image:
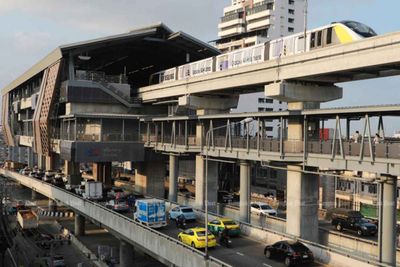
387	224
72	172
107	179
199	180
212	185
327	192
244	212
102	172
149	178
302	204
31	160
126	254
79	225
49	162
41	162
71	168
52	205
173	178
97	173
302	189
56	161
34	195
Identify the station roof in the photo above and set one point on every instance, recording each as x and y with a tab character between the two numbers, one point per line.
152	48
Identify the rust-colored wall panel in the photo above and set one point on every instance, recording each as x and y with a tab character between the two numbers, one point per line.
8	138
41	117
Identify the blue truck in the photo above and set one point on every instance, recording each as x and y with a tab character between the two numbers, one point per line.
150	212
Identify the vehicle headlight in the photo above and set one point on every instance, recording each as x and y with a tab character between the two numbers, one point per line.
364	227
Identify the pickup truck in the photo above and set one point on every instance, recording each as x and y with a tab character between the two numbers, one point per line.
353	221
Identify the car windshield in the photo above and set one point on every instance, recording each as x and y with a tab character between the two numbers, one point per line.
229	223
186	210
265	207
299	247
203	233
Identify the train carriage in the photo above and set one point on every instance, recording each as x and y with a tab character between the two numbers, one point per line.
336	33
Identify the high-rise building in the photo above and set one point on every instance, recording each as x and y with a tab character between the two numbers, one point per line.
249	22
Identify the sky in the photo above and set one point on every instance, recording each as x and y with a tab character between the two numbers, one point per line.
30	29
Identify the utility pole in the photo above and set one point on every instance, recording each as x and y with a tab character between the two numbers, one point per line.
305	23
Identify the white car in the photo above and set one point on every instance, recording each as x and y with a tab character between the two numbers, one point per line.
118	205
261	208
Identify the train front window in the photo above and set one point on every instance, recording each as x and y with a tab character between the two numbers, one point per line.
360	28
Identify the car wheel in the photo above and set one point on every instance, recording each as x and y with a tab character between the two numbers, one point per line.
288	262
193	245
268	254
359	232
339	227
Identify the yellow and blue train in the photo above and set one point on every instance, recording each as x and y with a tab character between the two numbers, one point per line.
326	36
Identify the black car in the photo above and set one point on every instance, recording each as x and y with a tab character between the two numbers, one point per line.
354	221
58	182
225	197
291	252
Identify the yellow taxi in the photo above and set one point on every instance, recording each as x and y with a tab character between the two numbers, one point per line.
216	226
196	238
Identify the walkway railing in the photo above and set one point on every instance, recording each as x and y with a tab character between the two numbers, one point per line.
388	150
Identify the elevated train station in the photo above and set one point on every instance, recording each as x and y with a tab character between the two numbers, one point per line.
93	102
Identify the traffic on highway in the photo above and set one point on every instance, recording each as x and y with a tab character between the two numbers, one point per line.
180	222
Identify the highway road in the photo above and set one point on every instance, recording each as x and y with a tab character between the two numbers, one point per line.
245	252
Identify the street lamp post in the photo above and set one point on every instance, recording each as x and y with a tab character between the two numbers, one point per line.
305	24
247	120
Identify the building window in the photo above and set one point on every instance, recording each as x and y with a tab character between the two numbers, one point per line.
268	109
290	29
261	109
291	2
269	128
269	100
290	20
261	100
291	11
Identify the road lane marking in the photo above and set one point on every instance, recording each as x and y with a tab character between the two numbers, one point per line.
267	265
240	254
